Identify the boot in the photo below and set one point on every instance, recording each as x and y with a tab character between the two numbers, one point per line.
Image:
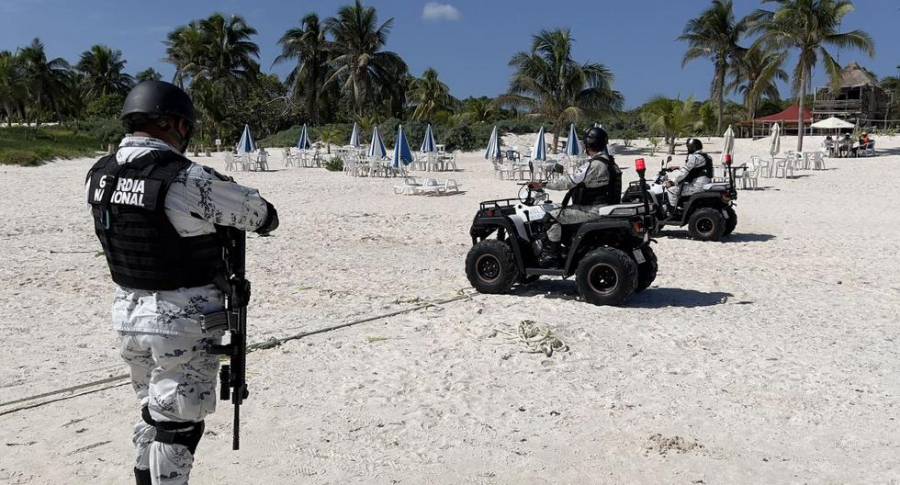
551	255
142	477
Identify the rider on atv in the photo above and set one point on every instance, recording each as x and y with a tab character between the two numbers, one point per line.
596	182
693	176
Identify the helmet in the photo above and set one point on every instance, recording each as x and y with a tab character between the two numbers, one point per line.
596	139
156	99
694	145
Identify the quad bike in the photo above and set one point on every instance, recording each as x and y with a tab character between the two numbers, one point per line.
610	256
709	214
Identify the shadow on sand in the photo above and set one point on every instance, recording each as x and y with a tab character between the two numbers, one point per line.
556	289
677	297
737	237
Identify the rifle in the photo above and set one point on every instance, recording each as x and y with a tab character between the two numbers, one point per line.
233	376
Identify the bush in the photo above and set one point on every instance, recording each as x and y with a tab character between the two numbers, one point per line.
335	165
461	138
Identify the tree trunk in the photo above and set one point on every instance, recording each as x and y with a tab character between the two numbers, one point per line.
556	141
720	97
800	114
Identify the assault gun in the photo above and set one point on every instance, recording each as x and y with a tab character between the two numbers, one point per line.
233	376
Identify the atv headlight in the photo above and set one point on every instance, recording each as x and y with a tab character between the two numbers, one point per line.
628	211
624	211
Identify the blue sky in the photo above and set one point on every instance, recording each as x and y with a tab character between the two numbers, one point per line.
469	42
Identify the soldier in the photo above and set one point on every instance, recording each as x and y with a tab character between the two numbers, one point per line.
696	172
155	213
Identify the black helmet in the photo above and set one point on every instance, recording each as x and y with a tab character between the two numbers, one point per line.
596	139
157	99
694	145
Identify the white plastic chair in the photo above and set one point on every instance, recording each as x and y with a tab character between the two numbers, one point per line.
818	161
430	187
750	177
229	161
409	187
450	187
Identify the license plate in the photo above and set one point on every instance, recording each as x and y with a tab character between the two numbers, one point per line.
725	213
639	256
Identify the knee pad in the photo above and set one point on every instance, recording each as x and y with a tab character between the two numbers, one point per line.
185	433
554	232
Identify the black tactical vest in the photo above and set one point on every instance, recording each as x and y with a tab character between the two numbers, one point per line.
703	170
609	194
143	249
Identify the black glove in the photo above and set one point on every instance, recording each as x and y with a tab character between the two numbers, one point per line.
559	168
271	222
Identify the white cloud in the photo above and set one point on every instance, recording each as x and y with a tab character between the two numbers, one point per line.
440	11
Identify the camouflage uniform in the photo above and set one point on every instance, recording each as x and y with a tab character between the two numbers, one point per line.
159	331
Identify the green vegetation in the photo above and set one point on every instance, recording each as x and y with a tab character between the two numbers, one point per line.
342	71
30	147
336	164
809	27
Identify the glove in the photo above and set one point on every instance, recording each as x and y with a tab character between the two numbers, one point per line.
535	185
271	222
669	183
559	168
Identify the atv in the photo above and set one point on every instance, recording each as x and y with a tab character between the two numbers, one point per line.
709	214
610	256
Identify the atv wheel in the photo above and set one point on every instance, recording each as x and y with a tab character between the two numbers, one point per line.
491	267
606	276
647	270
731	222
706	224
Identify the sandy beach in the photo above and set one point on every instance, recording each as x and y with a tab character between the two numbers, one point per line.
771	357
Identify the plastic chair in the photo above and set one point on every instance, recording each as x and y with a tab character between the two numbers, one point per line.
229	161
818	161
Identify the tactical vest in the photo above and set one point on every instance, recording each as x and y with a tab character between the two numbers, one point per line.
143	249
703	170
608	194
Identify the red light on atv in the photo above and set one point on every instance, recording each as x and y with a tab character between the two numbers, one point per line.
727	160
640	165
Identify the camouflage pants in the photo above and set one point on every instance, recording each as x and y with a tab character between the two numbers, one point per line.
176	378
574	214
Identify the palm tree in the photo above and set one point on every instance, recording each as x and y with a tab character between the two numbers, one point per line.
550	83
360	65
429	95
479	110
12	85
148	74
103	69
671	118
715	34
754	76
216	60
312	51
185	49
45	80
810	27
229	55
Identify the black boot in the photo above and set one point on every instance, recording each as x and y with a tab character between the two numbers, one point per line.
142	477
551	254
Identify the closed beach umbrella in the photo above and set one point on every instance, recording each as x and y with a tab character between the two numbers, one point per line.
246	143
402	152
539	152
376	148
354	137
728	148
573	147
428	144
493	148
303	143
775	140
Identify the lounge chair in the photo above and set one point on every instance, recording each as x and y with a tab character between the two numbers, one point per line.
449	187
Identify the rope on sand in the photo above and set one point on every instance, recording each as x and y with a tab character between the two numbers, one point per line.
540	339
122	379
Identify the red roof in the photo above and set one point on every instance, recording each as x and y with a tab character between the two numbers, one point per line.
789	115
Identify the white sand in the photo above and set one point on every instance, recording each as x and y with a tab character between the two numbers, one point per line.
770	358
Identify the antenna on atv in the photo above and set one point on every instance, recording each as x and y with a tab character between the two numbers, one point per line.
640	166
